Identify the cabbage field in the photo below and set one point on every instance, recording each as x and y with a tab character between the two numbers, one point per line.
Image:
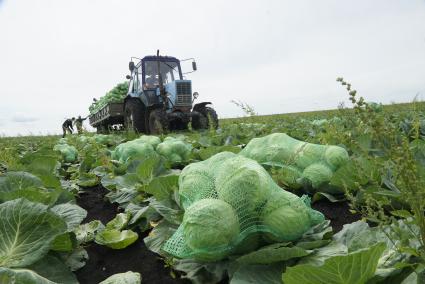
320	197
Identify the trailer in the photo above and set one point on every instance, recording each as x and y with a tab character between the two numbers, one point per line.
107	117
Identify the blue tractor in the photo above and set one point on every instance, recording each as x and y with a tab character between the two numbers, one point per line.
159	99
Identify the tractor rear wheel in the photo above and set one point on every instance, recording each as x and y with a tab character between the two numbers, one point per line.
200	122
206	117
158	122
134	115
212	117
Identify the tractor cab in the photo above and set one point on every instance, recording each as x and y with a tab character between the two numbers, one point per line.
170	70
159	79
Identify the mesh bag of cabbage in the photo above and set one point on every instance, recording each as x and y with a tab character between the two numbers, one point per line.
315	163
230	203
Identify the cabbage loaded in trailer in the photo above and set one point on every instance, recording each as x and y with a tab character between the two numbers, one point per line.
158	99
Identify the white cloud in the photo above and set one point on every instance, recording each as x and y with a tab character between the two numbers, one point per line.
23	119
278	56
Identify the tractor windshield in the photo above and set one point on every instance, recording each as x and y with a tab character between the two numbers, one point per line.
169	72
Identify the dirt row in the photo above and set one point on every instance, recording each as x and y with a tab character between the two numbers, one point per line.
104	262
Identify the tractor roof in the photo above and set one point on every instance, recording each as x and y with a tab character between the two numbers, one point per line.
161	58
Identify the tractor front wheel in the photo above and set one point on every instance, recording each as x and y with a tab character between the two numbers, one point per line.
134	116
158	122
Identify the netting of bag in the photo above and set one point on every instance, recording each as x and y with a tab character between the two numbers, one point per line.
209	188
300	160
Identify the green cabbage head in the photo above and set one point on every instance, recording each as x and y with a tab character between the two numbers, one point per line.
336	156
239	181
154	141
69	153
210	226
318	174
243	183
317	163
195	183
286	217
132	149
175	150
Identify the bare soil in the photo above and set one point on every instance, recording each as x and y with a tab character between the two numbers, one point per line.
337	212
104	262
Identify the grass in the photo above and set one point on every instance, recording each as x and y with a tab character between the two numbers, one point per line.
320	114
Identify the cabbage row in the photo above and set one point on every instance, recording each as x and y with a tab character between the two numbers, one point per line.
39	219
224	203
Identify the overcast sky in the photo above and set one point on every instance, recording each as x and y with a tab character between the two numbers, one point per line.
278	56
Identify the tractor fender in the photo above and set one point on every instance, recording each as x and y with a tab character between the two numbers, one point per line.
133	98
200	106
147	99
129	97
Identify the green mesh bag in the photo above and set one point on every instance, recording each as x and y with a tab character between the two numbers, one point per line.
230	201
315	163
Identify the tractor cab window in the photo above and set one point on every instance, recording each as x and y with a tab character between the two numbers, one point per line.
169	72
130	86
151	75
138	79
136	82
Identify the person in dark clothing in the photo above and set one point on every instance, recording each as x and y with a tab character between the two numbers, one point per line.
67	126
79	124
